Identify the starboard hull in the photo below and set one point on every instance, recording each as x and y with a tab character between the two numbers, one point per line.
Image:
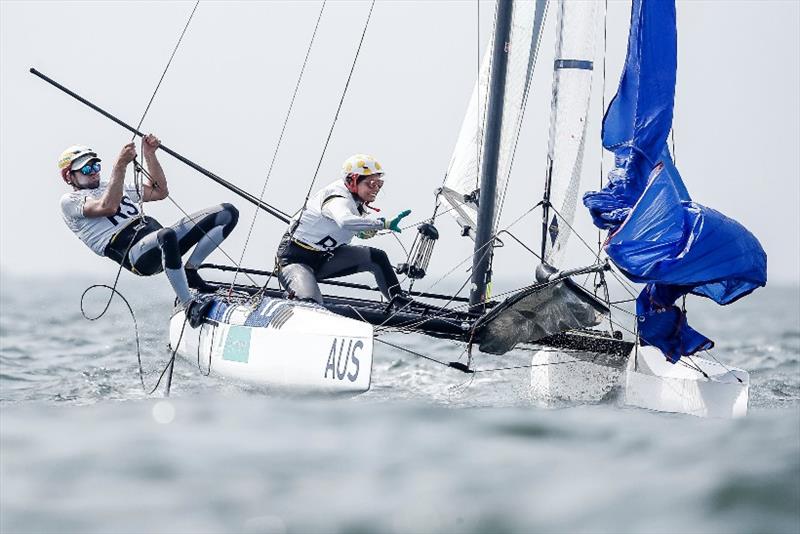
644	379
280	344
652	382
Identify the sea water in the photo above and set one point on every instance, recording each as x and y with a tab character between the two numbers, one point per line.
427	449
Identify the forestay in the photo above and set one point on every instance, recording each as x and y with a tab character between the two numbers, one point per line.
462	180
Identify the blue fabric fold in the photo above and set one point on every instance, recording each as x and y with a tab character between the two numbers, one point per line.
658	235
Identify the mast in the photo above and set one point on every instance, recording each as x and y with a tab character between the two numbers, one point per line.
482	257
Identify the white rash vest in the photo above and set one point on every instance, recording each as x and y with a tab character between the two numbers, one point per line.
96	232
332	217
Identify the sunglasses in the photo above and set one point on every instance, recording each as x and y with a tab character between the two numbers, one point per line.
375	183
88	169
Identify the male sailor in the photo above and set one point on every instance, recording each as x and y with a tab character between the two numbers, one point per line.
316	245
107	218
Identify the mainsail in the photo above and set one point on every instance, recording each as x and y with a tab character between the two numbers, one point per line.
460	189
572	88
659	236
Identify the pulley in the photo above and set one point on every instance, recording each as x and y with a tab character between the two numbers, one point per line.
421	250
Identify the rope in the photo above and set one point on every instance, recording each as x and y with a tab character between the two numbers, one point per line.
486	250
278	145
418	354
138	170
523	107
170	363
336	116
603	98
114	291
136	165
466	369
728	369
205	234
169	62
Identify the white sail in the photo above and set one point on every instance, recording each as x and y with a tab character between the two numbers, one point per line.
572	87
463	176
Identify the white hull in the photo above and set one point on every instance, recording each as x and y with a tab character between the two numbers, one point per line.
281	344
647	380
652	382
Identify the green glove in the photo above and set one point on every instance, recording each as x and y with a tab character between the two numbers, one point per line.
394	224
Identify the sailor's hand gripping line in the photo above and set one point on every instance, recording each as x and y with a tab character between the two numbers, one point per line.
152	144
417	258
156	189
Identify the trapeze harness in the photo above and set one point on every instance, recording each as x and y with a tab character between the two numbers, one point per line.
316	246
139	242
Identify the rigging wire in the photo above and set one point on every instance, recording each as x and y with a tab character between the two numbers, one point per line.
523	107
481	111
603	103
338	110
417	354
136	165
278	144
166	68
728	369
137	171
479	125
489	370
218	244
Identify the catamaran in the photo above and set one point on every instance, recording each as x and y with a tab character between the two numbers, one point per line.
656	235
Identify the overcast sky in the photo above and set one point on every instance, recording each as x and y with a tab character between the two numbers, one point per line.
222	103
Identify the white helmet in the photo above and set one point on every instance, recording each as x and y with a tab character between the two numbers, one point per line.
76	157
362	165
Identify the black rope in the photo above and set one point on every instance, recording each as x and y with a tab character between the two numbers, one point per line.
105	308
113	291
453	365
466	369
170	363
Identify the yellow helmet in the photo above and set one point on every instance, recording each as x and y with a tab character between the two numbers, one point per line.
362	165
76	157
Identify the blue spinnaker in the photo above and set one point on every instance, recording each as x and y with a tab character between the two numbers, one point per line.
658	235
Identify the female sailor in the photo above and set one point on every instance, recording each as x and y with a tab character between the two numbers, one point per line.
316	245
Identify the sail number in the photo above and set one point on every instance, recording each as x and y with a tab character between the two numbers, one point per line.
342	359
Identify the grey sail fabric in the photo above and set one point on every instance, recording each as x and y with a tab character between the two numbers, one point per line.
537	313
